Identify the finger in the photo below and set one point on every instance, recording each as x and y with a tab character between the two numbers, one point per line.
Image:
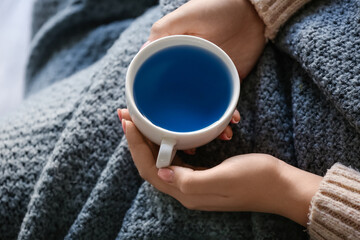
189	181
180	21
178	162
143	158
191	151
123	114
144	45
226	134
141	152
236	117
119	114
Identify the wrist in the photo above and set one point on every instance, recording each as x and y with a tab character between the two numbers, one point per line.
298	188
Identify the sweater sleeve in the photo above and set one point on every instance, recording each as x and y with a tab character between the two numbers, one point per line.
335	208
275	13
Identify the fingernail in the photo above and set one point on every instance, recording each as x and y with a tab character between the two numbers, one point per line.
123	123
146	43
119	114
166	174
225	137
233	120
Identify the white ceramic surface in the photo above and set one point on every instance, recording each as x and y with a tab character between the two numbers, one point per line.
170	141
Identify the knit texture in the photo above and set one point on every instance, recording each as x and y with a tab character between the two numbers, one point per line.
275	13
65	168
83	29
335	209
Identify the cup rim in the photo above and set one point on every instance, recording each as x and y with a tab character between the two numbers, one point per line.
178	40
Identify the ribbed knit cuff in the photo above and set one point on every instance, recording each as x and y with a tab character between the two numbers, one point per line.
335	208
275	13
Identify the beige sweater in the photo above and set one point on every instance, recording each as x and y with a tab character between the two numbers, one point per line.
275	12
335	208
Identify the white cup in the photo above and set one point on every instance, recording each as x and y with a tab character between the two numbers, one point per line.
171	141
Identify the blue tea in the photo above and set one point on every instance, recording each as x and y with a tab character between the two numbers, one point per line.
182	88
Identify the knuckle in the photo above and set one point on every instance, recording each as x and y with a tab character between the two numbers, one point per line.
157	27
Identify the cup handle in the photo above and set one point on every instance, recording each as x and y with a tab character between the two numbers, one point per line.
166	153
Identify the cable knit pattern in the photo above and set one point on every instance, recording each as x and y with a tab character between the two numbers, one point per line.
335	209
275	13
65	168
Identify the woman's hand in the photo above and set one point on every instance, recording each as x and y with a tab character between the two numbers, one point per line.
251	182
233	25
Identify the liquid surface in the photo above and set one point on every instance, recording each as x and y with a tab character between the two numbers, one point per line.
182	88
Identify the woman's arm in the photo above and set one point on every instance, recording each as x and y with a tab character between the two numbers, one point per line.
329	206
250	182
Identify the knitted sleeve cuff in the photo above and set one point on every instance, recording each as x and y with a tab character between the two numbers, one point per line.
275	13
335	208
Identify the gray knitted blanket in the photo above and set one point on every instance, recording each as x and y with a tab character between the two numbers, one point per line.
65	169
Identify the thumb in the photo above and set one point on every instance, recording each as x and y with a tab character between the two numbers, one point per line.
140	150
187	180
